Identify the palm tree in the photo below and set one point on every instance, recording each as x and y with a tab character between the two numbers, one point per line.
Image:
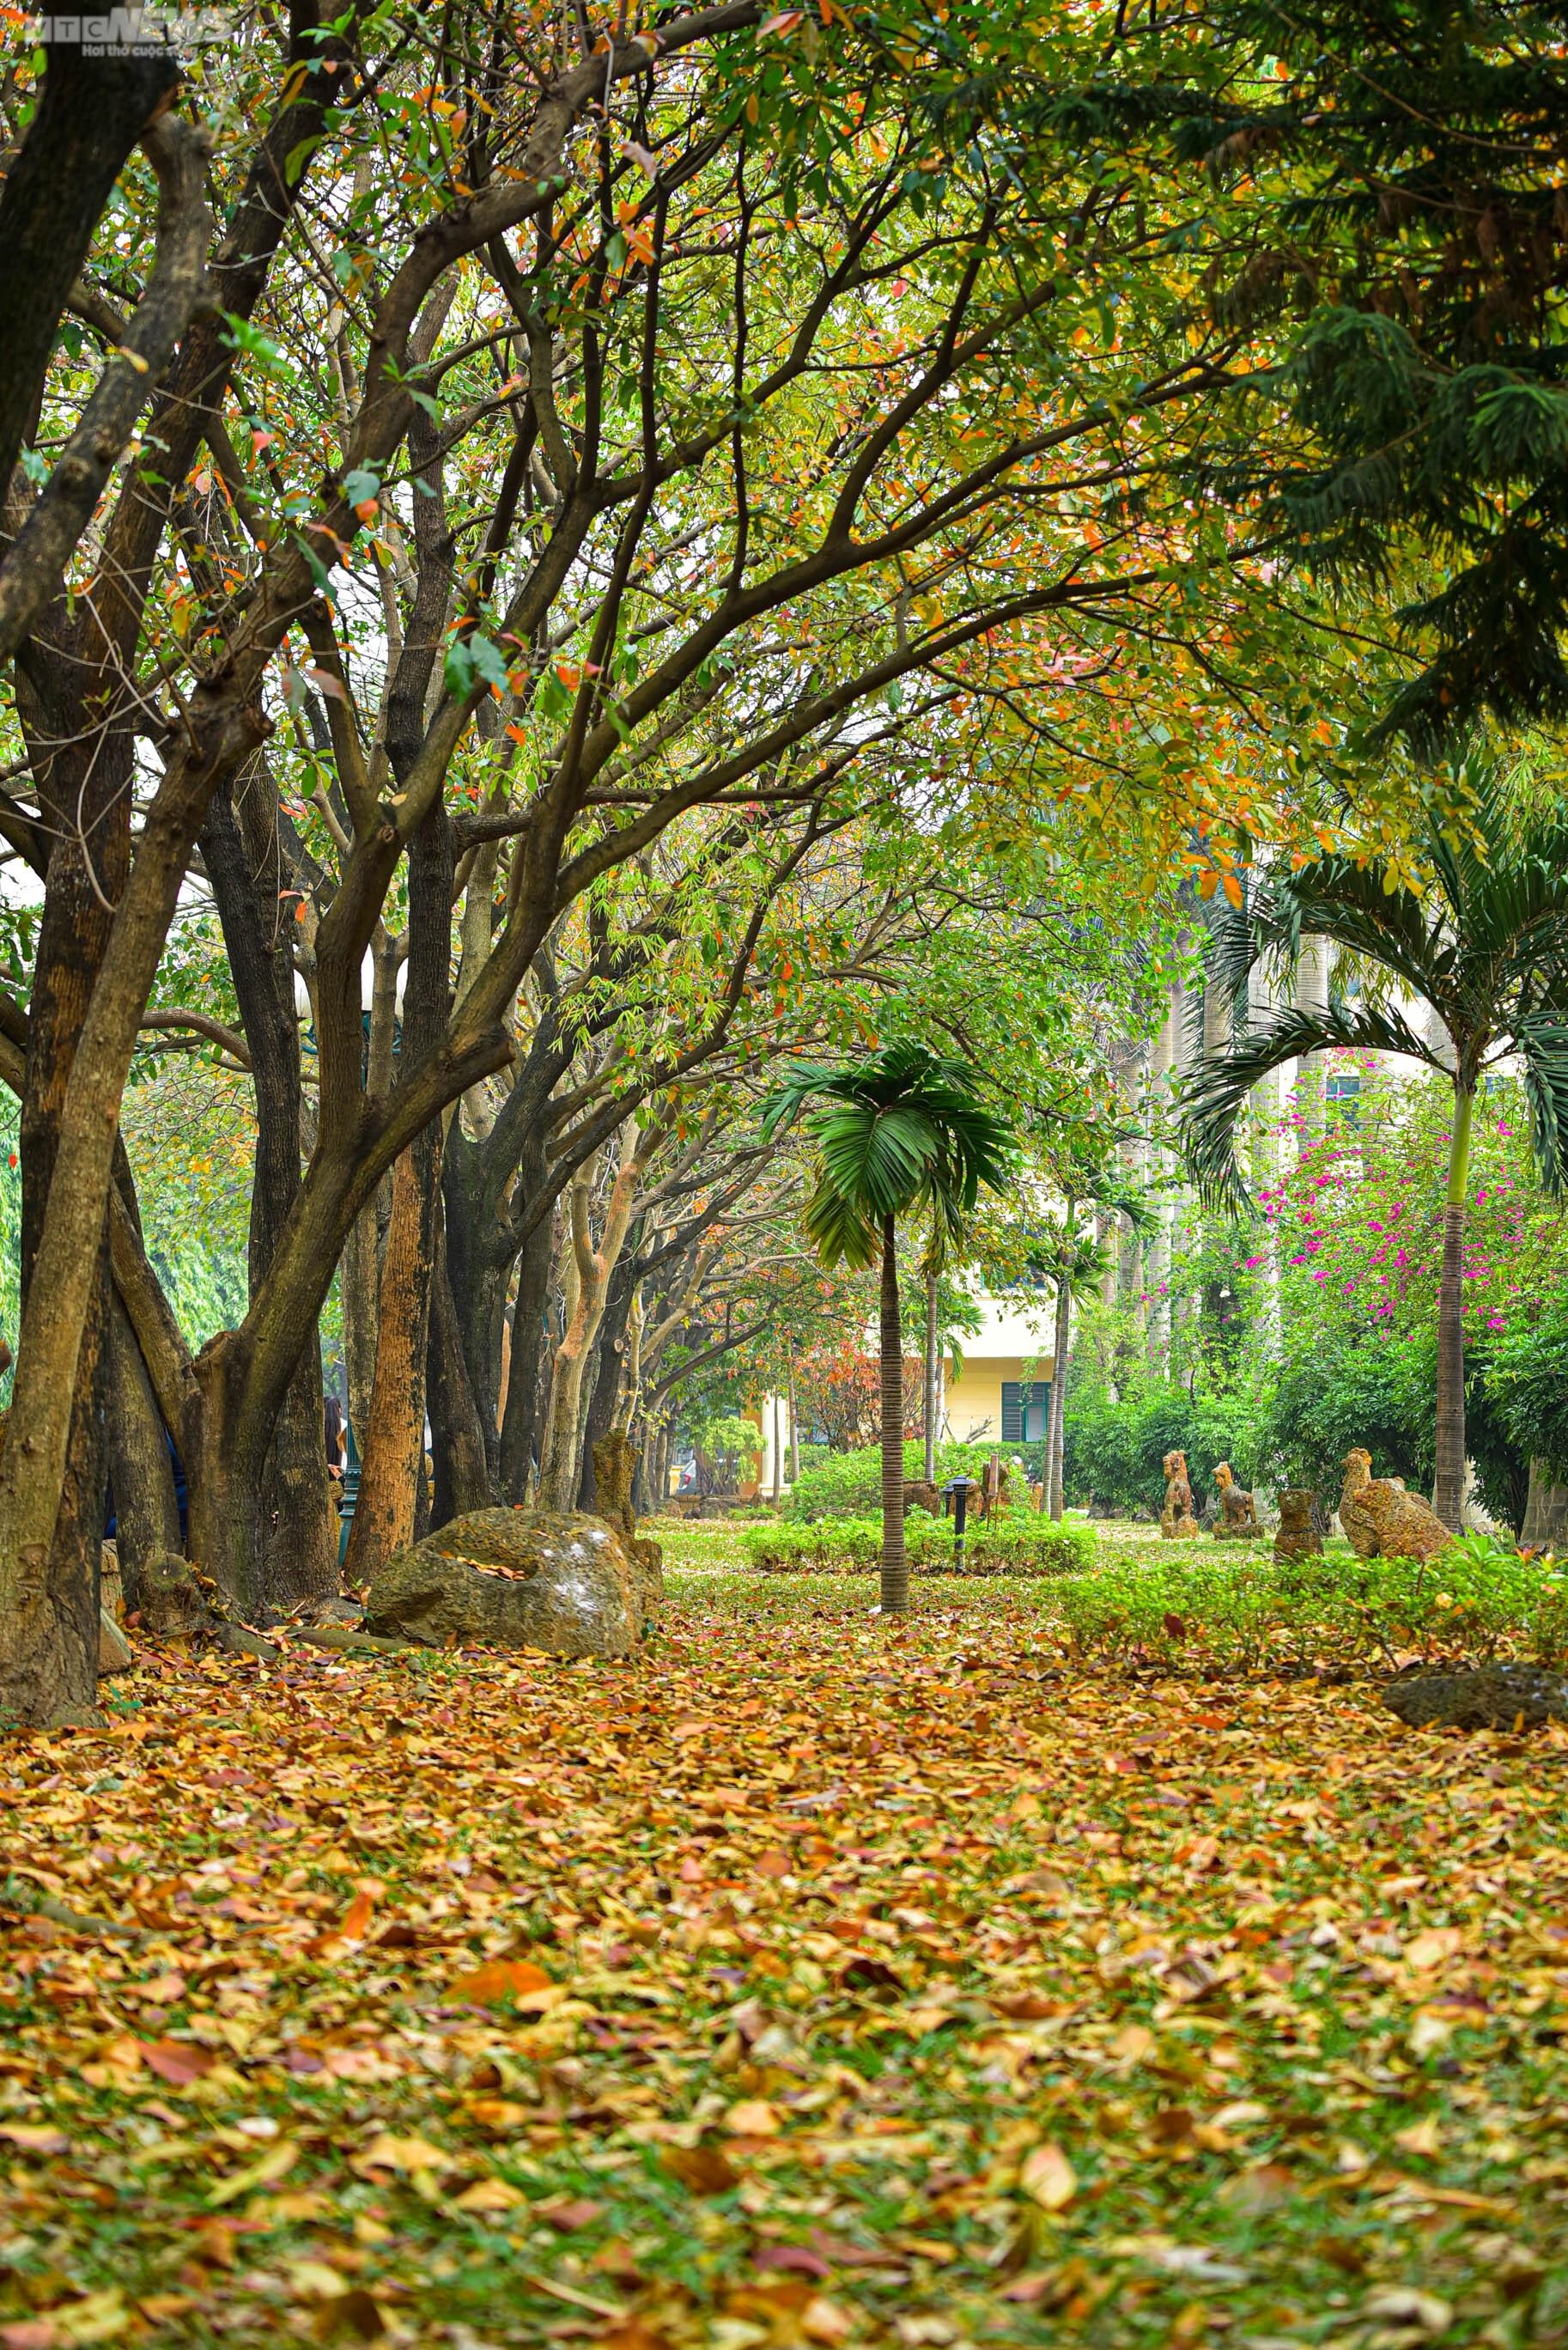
901	1130
1486	948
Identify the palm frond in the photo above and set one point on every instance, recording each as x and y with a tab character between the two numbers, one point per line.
1214	1101
840	1232
1543	1045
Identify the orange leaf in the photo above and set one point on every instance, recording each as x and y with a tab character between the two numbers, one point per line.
357	1916
498	1980
179	2062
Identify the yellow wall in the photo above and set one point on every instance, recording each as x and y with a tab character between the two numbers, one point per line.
976	1393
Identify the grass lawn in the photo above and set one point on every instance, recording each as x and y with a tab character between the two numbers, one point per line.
808	1979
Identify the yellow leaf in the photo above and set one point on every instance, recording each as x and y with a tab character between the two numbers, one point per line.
410	2154
490	2195
1048	2177
752	2117
272	2164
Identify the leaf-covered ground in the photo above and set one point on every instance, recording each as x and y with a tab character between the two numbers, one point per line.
805	1981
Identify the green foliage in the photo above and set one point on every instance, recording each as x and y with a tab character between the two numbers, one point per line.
1012	1543
1113	1452
849	1485
1199	1608
901	1130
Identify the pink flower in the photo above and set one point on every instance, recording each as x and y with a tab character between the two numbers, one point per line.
1253	1262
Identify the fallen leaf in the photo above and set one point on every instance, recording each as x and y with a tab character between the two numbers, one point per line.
752	2117
500	1979
178	2061
702	2168
1047	2176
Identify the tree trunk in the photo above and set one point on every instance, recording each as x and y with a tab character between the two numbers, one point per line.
146	1515
89	115
894	1562
1449	1487
463	1478
1056	1410
296	1552
393	1456
392	1451
1545	1523
793	1424
778	1455
933	1364
601	1411
588	1270
520	1432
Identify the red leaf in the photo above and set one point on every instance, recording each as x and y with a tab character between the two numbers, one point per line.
180	2062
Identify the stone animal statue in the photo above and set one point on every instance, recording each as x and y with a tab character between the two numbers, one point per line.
1176	1521
1297	1536
1381	1520
1238	1512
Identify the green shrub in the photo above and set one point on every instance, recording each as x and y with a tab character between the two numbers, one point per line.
1012	1545
849	1485
1113	1452
1479	1597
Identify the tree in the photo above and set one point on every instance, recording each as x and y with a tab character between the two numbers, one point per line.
1485	947
1390	168
903	1129
556	432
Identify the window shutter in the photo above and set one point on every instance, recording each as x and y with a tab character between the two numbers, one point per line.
1011	1412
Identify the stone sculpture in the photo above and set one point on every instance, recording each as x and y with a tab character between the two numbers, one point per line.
1176	1521
1238	1512
1381	1520
1297	1536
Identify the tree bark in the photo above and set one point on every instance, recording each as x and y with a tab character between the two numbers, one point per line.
793	1424
392	1450
1449	1486
463	1478
1056	1411
384	1513
147	1514
90	115
607	1378
293	1555
590	1269
894	1560
933	1359
520	1430
1545	1523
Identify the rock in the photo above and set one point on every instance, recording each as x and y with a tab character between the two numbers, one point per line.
1381	1520
173	1605
110	1590
919	1494
1297	1536
113	1649
1481	1697
514	1579
1247	1533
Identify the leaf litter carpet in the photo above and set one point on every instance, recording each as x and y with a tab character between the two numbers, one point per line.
804	1981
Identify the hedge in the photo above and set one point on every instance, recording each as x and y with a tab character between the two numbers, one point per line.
849	1485
1011	1545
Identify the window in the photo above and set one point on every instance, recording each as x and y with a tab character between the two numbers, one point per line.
1023	1406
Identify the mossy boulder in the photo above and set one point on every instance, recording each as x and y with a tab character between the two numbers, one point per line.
1481	1697
513	1579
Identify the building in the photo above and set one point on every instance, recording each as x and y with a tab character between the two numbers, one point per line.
1000	1387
